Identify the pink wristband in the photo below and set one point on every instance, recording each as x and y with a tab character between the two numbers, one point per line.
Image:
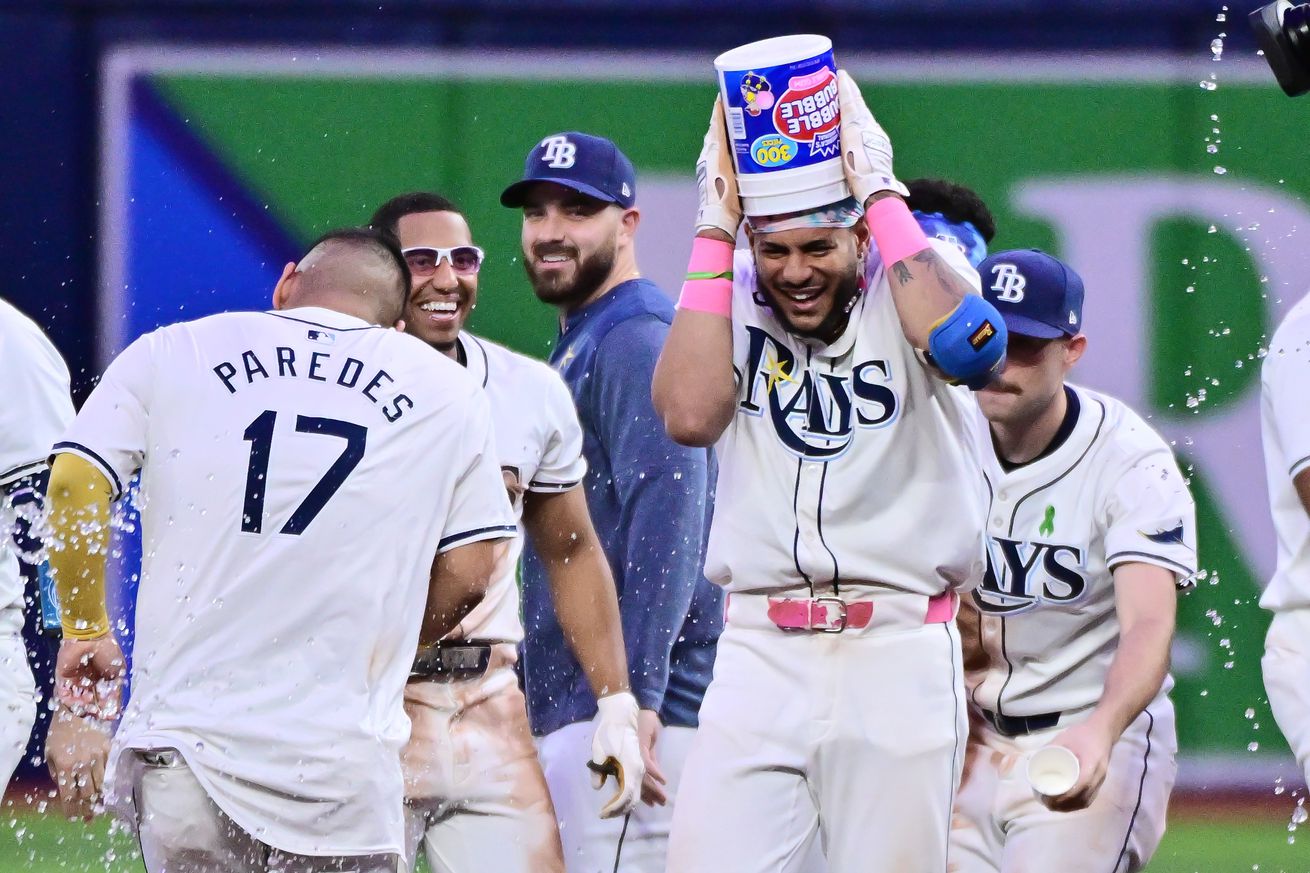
707	295
895	232
710	258
709	278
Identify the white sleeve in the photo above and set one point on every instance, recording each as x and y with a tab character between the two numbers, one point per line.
479	506
1152	518
37	404
743	314
1285	387
562	465
111	429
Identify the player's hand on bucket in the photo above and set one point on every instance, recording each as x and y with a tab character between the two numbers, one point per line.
89	676
1091	744
616	751
76	750
716	180
866	149
648	734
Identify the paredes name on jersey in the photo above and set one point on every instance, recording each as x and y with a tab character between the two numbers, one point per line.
281	362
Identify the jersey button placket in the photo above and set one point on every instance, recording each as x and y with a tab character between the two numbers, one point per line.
807	512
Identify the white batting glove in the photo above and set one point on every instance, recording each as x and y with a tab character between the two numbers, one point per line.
616	752
866	149
716	179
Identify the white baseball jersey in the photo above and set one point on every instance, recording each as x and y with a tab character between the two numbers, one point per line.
846	462
1110	494
300	470
35	411
539	447
1285	425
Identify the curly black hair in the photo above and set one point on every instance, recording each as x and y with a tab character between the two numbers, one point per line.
956	202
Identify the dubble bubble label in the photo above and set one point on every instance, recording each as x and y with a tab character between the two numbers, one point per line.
785	116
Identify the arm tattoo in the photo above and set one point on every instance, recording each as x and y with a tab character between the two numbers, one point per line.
902	272
945	275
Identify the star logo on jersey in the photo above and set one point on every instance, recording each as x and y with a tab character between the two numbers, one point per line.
776	371
1021	576
815	414
1171	537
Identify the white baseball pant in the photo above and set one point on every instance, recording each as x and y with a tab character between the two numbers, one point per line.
476	798
17	704
590	842
183	831
816	751
1001	827
1286	666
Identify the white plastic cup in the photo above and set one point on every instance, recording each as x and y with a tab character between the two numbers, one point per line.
784	121
1053	770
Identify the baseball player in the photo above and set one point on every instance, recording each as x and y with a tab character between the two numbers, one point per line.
36	410
1091	530
474	785
848	512
1285	423
319	492
648	497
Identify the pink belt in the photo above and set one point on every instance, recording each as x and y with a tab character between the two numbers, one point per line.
834	615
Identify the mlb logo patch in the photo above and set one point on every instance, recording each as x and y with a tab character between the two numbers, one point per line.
325	337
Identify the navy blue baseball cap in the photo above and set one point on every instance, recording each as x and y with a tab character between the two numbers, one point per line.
590	164
1037	295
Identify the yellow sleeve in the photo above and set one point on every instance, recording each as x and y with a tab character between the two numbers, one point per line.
79	499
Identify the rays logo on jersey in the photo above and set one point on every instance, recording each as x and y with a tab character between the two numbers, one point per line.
814	414
1032	574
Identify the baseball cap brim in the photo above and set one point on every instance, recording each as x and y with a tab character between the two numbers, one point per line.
1024	326
514	194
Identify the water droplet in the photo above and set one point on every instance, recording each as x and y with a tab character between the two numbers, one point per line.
1208	85
1212	149
1217	48
1250	713
1253	747
1220	171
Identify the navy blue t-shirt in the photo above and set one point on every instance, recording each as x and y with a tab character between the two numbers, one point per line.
650	500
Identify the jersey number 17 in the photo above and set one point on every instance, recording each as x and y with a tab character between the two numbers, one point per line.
260	436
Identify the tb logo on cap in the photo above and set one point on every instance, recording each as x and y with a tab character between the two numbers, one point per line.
1009	283
560	154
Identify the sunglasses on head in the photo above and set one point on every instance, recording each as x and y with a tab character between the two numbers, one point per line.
424	260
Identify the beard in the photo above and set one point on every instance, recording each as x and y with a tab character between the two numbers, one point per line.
844	297
588	275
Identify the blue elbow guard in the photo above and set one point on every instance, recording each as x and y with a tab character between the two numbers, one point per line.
969	344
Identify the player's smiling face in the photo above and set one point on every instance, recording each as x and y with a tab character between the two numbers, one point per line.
570	243
1034	373
811	276
439	303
